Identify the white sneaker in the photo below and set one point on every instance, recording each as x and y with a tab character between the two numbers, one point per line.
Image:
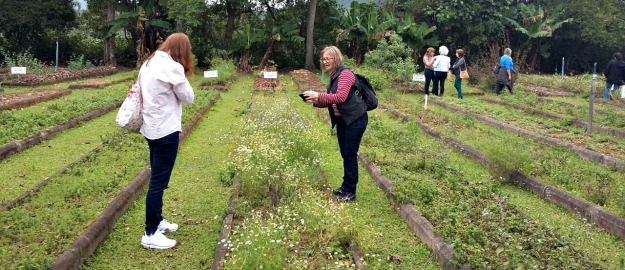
165	226
158	241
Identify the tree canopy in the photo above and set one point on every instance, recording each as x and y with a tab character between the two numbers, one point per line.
279	32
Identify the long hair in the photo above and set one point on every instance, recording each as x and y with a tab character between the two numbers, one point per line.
178	46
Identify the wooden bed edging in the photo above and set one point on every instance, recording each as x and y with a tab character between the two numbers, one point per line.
226	228
20	145
74	256
599	158
34	100
602	218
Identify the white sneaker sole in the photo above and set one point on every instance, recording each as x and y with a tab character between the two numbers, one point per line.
156	247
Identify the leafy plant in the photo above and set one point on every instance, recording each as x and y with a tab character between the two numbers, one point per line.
78	62
392	56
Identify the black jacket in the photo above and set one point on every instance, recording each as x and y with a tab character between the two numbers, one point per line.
353	107
615	71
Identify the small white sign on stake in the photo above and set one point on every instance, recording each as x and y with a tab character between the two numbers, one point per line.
418	77
270	74
18	70
211	74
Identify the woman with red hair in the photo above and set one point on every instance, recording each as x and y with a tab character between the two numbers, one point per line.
164	87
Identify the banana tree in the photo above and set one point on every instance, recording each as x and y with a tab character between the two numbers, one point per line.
243	39
288	31
414	35
536	24
352	29
138	21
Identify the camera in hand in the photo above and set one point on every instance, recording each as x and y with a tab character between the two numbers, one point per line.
303	97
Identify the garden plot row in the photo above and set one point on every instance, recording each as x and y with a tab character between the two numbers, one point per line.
19	97
563	130
200	194
60	76
572	108
72	199
556	166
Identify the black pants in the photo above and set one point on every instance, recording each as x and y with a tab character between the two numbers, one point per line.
349	137
439	79
429	75
500	87
163	154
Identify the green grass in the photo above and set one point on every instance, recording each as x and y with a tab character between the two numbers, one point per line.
23	170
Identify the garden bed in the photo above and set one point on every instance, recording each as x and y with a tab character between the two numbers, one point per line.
60	76
24	99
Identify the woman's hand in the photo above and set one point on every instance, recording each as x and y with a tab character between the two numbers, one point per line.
311	96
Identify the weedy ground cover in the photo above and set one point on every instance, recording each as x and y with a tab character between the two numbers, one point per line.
580	83
563	129
552	165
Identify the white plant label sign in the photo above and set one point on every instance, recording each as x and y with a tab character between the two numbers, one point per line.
270	74
211	74
18	70
418	77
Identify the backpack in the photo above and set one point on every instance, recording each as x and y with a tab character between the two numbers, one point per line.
367	92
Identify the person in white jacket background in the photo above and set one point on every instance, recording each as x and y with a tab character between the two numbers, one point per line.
441	68
164	87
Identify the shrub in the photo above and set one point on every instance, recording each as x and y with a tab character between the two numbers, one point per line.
24	59
78	62
392	56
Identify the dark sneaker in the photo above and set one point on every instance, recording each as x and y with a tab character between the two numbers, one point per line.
338	192
347	197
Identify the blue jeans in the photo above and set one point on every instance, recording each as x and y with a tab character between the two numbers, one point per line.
163	154
606	91
349	137
429	75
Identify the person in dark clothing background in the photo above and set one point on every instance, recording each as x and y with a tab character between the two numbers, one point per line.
347	111
614	74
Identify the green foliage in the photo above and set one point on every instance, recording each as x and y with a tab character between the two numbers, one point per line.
226	69
24	59
392	56
78	62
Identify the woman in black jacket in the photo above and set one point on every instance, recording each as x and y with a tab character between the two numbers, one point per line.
347	111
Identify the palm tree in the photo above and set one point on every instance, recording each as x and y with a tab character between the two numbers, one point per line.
536	25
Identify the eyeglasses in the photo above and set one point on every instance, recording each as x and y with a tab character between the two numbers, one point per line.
326	59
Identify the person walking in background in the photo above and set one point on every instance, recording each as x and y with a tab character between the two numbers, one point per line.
459	65
441	68
428	62
165	87
506	67
614	74
348	113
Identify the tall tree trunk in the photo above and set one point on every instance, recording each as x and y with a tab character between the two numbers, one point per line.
232	11
109	43
263	62
356	52
244	62
140	47
310	27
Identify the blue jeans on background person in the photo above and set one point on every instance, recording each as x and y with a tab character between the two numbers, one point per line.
429	75
606	91
163	154
349	137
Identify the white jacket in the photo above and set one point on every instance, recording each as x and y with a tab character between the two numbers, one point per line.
442	63
164	88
